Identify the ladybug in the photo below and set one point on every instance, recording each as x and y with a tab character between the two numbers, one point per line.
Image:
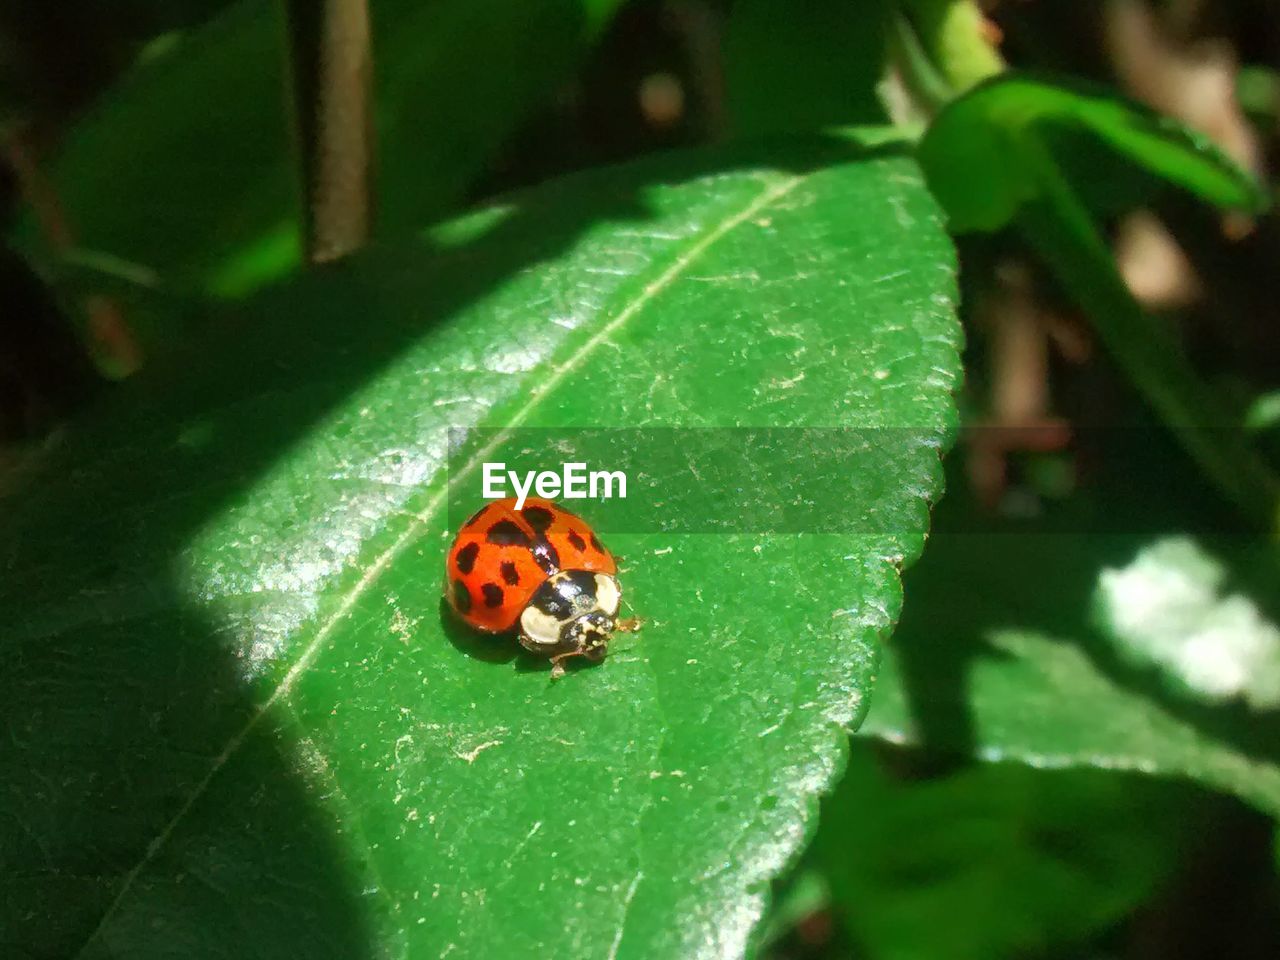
542	570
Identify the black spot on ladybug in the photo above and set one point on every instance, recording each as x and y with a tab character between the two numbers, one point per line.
509	573
461	596
476	516
547	557
466	558
595	542
540	518
578	543
492	595
506	533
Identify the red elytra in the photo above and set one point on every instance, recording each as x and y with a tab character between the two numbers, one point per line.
502	555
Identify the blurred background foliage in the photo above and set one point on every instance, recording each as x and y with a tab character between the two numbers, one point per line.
1022	785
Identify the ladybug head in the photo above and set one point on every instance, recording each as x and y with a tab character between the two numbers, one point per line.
589	634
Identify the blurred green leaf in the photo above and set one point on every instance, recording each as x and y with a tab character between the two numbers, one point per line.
803	66
993	861
186	168
990	159
800	894
1263	413
453	81
241	722
1058	226
951	36
1258	90
999	655
984	154
1036	697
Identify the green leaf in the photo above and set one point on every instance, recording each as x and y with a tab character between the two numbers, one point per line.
984	153
951	35
1061	230
991	160
992	861
1263	412
798	895
1258	91
803	66
240	721
1035	697
1000	655
186	169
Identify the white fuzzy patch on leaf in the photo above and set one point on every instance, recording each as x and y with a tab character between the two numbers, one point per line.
1167	608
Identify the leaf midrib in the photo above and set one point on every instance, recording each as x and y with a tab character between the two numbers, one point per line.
423	517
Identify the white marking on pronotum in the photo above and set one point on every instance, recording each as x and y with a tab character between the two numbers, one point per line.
607	594
413	530
542	628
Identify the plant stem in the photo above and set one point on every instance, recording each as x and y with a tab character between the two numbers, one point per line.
111	343
331	64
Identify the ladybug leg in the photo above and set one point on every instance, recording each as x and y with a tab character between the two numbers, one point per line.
557	664
594	654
